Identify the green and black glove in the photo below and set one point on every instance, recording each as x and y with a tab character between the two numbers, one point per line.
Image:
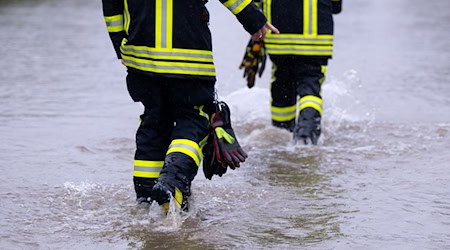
211	166
228	150
254	61
222	149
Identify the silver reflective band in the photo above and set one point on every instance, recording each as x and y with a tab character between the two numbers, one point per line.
310	28
192	149
157	53
164	24
311	101
235	5
183	68
150	169
298	50
114	23
303	39
292	113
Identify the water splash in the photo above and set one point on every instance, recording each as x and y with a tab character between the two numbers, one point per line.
170	221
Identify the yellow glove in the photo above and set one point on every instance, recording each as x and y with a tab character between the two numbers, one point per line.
254	61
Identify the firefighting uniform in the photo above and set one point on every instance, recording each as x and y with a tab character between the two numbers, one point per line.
299	55
166	46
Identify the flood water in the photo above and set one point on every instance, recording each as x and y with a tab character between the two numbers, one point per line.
378	180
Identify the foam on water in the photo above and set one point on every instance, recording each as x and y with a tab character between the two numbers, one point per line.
344	112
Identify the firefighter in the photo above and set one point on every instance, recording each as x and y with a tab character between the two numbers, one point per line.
167	49
299	55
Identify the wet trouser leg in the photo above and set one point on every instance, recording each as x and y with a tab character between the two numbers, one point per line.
153	134
297	77
172	132
184	155
309	76
283	94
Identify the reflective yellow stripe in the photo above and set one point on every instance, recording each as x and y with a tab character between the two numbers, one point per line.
285	49
299	44
187	147
314	17
114	18
324	70
267	9
147	169
273	78
115	29
169	24
148	164
166	207
178	197
236	6
283	114
164	23
311	102
201	112
169	67
168	54
310	17
146	174
126	16
309	43
114	23
203	142
306	17
158	23
298	39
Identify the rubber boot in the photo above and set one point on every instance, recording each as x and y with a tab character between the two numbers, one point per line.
289	125
143	188
308	129
175	180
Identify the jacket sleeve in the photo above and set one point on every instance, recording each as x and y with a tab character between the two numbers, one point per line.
247	13
337	6
113	12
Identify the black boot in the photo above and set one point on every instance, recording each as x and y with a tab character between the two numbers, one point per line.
289	125
175	180
308	127
143	187
163	191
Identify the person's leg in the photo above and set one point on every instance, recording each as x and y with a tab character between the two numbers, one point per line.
188	100
310	75
153	134
283	94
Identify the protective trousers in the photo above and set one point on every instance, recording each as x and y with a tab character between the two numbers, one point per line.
295	78
172	130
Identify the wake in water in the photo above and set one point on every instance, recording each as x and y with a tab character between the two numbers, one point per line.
349	123
343	113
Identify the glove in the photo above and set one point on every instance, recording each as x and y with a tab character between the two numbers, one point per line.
211	166
227	148
222	149
254	61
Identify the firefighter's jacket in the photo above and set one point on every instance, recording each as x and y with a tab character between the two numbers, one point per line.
306	26
170	37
